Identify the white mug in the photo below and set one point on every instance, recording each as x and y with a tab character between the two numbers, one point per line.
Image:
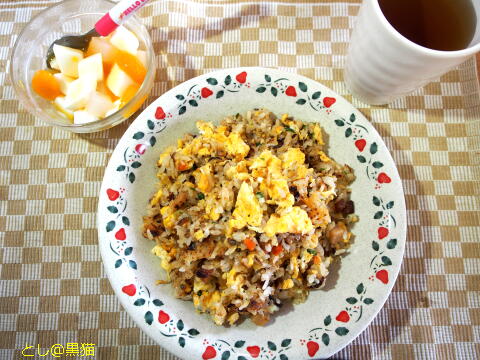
383	65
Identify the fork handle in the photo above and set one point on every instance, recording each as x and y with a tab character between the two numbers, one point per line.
117	15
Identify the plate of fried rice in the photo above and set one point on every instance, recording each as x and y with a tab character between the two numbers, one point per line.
252	213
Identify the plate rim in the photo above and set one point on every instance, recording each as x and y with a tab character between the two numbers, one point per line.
165	96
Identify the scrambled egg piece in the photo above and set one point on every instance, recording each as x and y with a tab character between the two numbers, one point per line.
166	153
205	128
169	216
286	284
295	221
234	276
247	209
317	134
239	171
324	157
235	146
291	157
156	198
290	123
266	161
164	256
198	235
280	194
204	178
293	161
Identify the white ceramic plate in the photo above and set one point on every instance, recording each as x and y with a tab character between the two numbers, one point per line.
357	288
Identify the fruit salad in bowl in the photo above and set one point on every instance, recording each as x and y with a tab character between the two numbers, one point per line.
82	91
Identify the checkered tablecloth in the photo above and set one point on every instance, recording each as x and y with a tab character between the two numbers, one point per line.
52	284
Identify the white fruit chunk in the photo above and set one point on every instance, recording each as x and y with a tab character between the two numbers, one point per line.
142	56
59	104
117	104
64	82
83	117
79	92
125	40
98	104
54	64
92	65
118	81
67	59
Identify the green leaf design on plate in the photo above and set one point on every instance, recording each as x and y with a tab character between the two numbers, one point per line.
132	264
352	117
212	81
157	302
193	332
131	177
128	251
339	122
360	288
220	94
181	341
352	300
286	342
226	355
316	95
180	97
361	158
375	245
150	124
391	244
368	301
136	164
327	321
182	110
268	78
139	302
342	331
261	89
390	204
193	103
376	201
348	132
110	225
138	135
228	80
153	141
239	343
283	357
121	168
180	325
118	263
271	346
303	86
112	209
386	260
125	220
148	318
373	148
377	164
241	358
378	215
301	101
326	339
274	91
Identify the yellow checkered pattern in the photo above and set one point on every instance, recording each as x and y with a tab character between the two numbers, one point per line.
52	285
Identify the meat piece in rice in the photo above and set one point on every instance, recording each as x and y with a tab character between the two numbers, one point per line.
249	214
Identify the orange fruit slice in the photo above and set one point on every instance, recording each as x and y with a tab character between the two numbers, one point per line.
131	65
46	85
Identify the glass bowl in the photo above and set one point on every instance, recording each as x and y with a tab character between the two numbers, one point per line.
30	49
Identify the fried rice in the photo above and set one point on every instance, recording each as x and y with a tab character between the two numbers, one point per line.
249	215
